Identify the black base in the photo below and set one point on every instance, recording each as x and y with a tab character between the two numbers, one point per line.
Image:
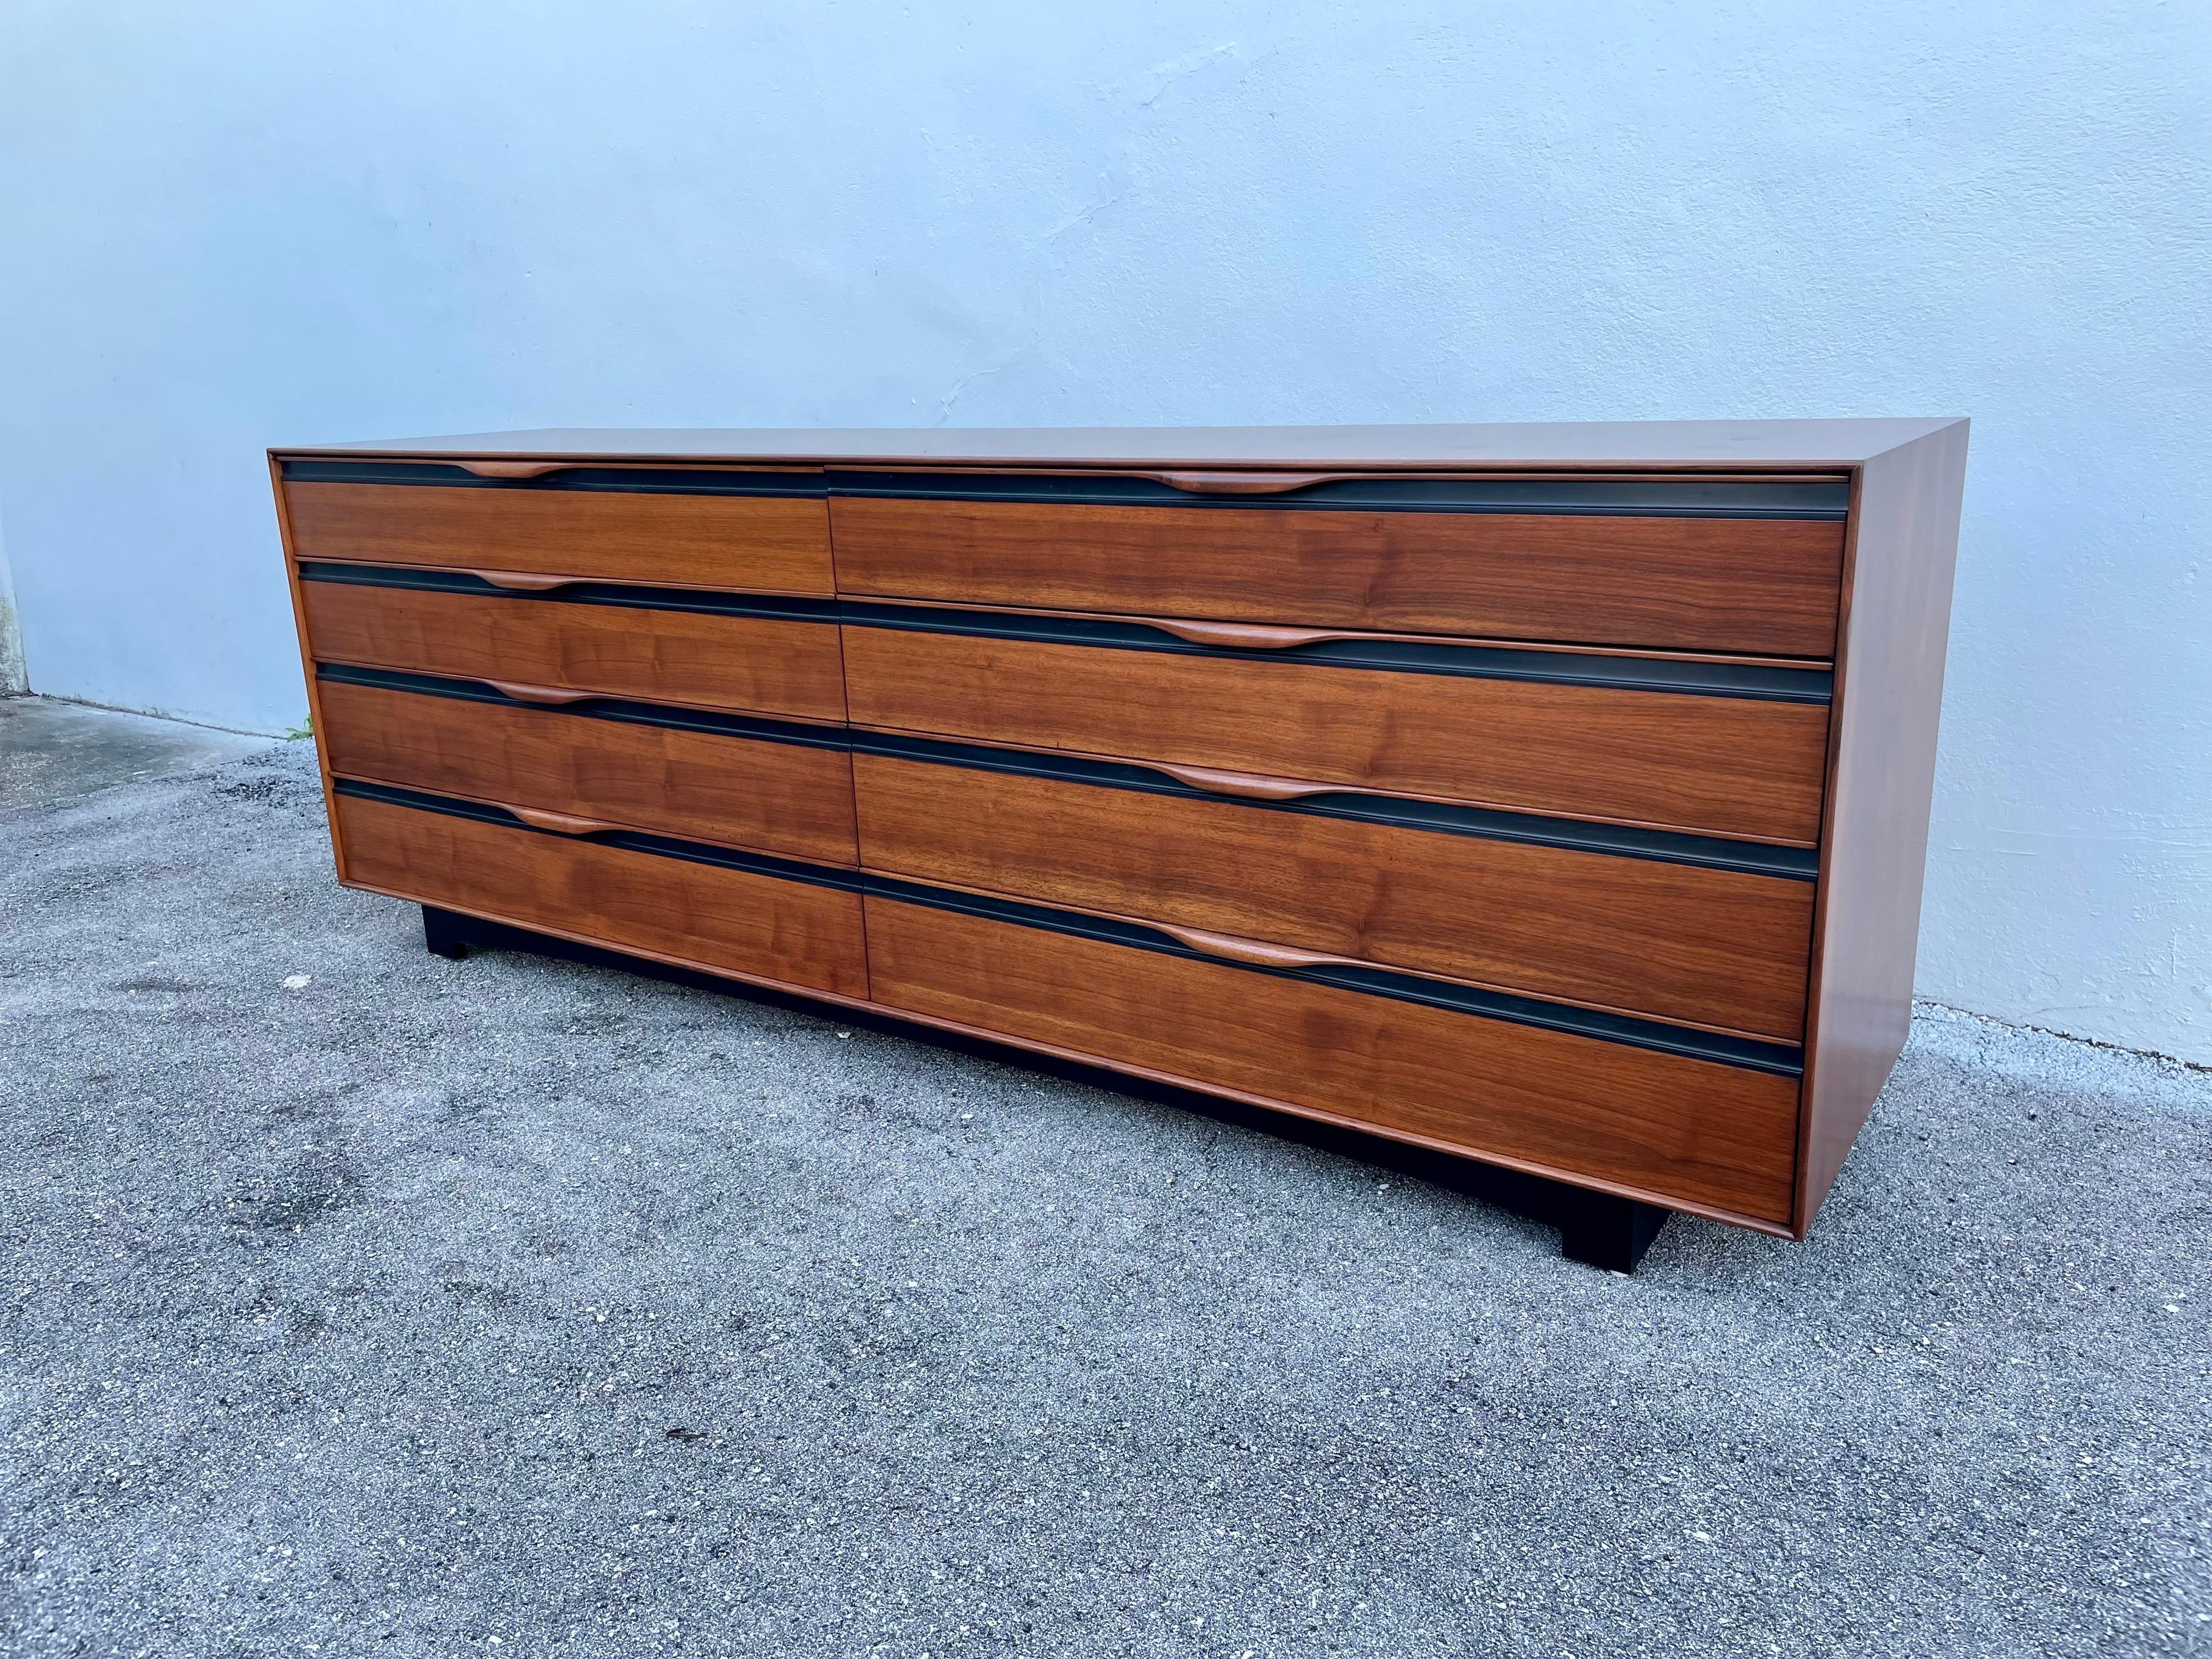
1598	1228
447	932
1603	1230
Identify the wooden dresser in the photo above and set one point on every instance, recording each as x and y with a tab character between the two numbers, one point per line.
1556	796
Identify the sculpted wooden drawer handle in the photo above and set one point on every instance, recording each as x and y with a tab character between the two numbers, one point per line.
546	694
561	824
1248	784
511	469
1229	948
1242	484
1242	636
522	583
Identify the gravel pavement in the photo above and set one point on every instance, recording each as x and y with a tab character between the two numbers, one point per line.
358	1301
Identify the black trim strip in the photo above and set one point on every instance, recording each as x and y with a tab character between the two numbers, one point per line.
758	728
776	607
1759	682
1780	1059
1574	834
1619	841
1755	681
617	480
1663	498
691	852
1657	497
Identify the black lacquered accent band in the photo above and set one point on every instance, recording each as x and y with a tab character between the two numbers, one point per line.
758	728
1670	497
667	846
700	601
1761	681
612	480
1438	818
1657	498
1781	1059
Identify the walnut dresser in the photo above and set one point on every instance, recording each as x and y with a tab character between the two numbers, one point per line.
1555	796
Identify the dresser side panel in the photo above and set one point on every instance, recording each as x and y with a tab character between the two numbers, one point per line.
1889	696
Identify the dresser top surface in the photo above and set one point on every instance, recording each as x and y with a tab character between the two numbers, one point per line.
1633	445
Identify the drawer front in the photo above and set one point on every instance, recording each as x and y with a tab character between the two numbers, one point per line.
1692	1130
1717	947
793	799
1752	586
1720	765
732	919
767	665
769	544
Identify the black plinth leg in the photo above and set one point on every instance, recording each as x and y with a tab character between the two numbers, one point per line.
444	933
1607	1231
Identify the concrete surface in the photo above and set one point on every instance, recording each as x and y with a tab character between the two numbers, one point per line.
358	1301
51	749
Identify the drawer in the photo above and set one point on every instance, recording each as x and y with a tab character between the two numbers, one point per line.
1673	564
590	638
785	789
718	915
1701	748
1653	929
684	537
1690	1131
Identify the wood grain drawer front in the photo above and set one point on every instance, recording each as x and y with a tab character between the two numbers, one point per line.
1720	765
790	798
1716	947
768	665
758	543
736	920
1687	1130
1753	584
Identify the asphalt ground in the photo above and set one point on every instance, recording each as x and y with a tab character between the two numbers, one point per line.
358	1301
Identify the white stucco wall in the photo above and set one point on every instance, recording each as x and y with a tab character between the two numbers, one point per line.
233	224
